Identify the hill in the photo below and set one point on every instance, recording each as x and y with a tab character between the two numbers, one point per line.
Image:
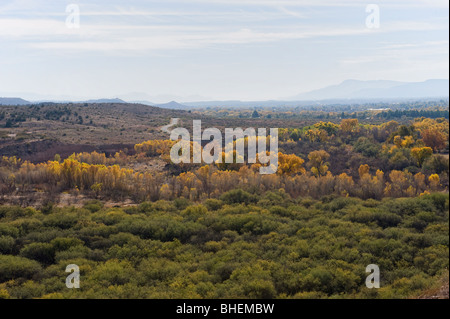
78	127
13	101
116	100
355	89
173	106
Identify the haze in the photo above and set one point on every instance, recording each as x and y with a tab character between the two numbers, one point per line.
214	49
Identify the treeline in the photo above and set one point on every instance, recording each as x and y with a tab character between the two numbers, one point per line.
209	181
434	114
395	161
238	246
39	112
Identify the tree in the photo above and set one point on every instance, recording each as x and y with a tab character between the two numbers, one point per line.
349	125
317	162
363	170
434	138
434	181
97	188
421	154
290	164
329	127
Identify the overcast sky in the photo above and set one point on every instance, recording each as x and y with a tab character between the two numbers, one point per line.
215	49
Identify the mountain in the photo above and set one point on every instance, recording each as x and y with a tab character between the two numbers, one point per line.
13	101
174	106
106	101
159	98
355	89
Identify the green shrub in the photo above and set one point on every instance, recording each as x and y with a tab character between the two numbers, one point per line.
213	204
42	252
93	205
6	244
238	196
14	267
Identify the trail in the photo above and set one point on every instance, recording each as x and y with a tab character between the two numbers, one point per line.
165	128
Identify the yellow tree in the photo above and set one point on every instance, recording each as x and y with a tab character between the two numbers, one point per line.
349	125
421	154
317	162
434	181
419	181
363	170
290	164
434	138
344	184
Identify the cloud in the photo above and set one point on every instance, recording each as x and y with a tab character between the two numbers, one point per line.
54	35
106	26
404	54
320	3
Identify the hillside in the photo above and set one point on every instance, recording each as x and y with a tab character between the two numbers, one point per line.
40	131
174	106
354	89
13	101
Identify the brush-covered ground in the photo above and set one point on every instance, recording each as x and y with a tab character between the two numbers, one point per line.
271	247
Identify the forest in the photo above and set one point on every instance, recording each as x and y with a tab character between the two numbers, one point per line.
348	192
238	246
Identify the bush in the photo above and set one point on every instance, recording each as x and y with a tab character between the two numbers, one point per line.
13	267
181	203
28	290
280	211
15	212
342	202
213	204
194	212
145	207
61	220
238	196
113	272
8	230
61	244
42	252
385	219
439	200
6	244
93	205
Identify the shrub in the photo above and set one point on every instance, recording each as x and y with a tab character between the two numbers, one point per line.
60	244
13	267
6	244
181	203
146	207
93	205
213	204
238	196
42	252
194	212
385	219
61	220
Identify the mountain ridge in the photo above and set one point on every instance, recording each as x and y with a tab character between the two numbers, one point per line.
13	101
378	89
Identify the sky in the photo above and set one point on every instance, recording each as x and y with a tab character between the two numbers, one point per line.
162	50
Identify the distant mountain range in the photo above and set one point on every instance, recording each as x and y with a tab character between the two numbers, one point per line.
116	100
13	101
19	101
173	105
349	91
354	89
